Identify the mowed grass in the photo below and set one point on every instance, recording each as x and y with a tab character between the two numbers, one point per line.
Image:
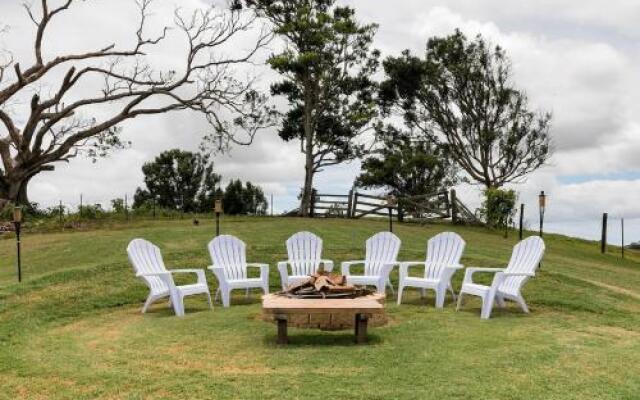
73	328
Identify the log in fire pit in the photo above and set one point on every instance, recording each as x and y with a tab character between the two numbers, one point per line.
324	301
324	285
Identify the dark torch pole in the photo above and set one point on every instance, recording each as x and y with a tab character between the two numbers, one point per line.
391	201
17	221
542	202
217	208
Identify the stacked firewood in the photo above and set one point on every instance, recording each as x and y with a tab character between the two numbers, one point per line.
324	284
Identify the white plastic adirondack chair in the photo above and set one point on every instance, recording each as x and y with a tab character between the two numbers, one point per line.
228	255
304	250
146	259
380	257
443	259
507	282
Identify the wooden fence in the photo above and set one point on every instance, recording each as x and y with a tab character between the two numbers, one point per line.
439	205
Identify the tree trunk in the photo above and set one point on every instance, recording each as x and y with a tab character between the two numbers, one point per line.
307	190
15	191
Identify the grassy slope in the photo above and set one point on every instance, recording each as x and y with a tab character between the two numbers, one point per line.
73	328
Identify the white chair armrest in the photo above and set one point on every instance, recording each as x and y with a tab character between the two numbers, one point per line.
142	274
199	272
468	273
404	267
344	267
264	269
284	273
327	264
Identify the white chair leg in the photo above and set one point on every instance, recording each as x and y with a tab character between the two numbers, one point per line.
522	304
226	297
178	304
381	286
440	293
265	289
390	286
487	306
400	289
500	301
149	301
453	294
459	301
209	300
246	293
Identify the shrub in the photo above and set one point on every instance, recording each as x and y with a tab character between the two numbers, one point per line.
498	207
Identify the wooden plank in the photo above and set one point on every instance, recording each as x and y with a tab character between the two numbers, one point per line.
331	195
274	304
368	196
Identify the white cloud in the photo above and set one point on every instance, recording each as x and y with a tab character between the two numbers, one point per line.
579	61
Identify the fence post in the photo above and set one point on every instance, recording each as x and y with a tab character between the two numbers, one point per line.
400	210
61	211
355	204
349	203
521	218
126	207
80	205
622	240
454	207
603	241
272	204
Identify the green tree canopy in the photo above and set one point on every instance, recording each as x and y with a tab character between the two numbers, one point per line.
244	200
326	68
462	92
179	180
407	166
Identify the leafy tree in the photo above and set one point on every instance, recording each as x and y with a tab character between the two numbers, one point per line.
326	68
244	200
40	128
180	180
406	166
118	205
462	92
498	208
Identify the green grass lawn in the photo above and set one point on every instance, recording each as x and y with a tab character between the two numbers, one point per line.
73	328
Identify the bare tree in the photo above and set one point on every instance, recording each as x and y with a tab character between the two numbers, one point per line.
54	126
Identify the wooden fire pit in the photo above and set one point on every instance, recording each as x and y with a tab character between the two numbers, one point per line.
325	314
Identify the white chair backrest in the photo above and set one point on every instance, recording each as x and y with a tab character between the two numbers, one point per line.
444	249
229	252
305	252
381	248
526	257
145	257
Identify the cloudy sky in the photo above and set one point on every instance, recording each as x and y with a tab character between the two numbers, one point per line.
581	62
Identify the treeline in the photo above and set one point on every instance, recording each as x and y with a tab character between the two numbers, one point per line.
185	181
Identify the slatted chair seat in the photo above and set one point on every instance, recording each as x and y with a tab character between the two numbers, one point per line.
229	265
147	262
381	252
444	252
507	282
304	251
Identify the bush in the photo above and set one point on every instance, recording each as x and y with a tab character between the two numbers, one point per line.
498	207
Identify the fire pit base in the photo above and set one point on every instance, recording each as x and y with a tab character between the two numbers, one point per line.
325	314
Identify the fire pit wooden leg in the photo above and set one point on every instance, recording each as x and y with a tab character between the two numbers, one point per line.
282	329
361	328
